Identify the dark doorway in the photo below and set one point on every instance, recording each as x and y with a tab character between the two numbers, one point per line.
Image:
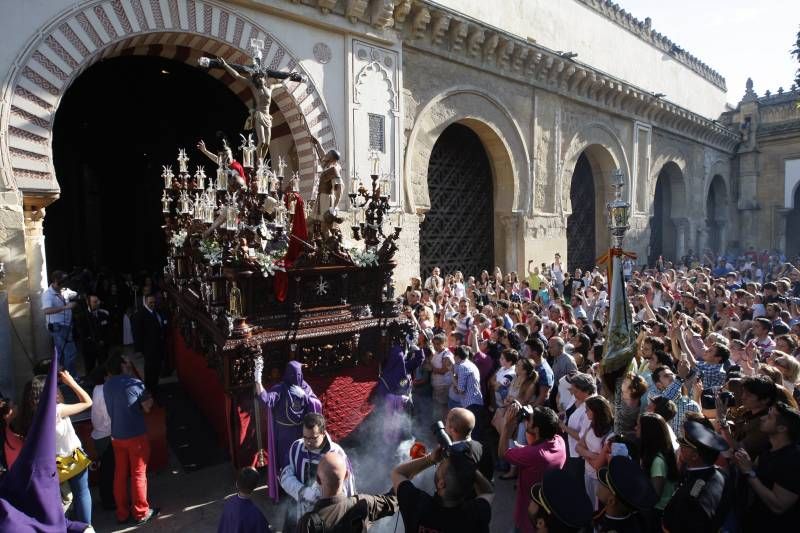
116	125
581	231
792	223
458	231
717	215
662	229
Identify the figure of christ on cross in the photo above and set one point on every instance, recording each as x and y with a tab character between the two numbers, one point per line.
261	82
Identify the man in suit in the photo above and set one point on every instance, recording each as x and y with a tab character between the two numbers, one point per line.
92	325
149	339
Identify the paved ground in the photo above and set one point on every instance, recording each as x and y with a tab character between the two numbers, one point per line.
193	502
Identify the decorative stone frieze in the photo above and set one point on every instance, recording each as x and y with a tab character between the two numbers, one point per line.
490	49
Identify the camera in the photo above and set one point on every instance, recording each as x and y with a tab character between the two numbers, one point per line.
727	398
524	413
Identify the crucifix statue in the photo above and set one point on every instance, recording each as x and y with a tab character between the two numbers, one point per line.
261	81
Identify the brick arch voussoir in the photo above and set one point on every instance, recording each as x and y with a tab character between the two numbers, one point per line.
89	32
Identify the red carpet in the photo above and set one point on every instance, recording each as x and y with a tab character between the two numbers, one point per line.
345	401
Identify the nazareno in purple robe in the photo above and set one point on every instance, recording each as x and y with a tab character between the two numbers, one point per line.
395	386
30	498
285	420
240	515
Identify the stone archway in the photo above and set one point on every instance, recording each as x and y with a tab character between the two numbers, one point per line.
183	29
667	213
501	137
58	52
603	152
717	216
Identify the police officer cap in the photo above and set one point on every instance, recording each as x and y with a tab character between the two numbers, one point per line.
563	497
628	482
699	436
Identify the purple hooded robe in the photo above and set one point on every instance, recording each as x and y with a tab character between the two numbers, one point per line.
30	498
285	415
395	385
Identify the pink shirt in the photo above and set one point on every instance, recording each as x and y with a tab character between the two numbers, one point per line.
533	461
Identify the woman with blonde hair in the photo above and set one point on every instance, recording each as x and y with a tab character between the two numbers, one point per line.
789	368
426	317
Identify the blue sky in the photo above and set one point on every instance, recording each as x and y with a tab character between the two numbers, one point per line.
737	38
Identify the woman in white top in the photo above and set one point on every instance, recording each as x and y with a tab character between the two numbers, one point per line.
459	291
66	439
590	447
557	273
441	373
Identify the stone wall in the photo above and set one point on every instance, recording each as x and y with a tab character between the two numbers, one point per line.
610	42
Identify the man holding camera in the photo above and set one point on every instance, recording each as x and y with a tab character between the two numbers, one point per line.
545	450
57	305
463	499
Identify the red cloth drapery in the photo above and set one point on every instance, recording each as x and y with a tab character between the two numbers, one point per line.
608	258
300	231
235	165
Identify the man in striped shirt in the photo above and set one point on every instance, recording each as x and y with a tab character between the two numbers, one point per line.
467	385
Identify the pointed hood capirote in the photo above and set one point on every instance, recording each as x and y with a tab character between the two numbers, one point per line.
30	497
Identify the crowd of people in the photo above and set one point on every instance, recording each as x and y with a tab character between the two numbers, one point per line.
90	319
700	432
707	410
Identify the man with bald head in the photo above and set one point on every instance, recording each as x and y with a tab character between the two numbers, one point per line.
460	423
335	510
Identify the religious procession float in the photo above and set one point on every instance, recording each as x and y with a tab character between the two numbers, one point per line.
258	275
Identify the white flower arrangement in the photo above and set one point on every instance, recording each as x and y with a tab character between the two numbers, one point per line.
267	263
364	258
178	238
212	251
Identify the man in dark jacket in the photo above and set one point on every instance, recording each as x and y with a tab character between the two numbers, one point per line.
335	511
92	326
149	336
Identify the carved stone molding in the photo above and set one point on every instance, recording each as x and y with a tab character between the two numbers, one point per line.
490	49
354	9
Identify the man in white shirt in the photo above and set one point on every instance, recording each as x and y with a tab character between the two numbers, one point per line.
575	422
57	305
434	283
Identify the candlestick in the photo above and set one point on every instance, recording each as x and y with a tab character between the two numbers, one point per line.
248	149
280	215
197	208
200	178
184	203
375	163
272	182
295	181
262	181
165	203
211	195
222	179
385	186
167	175
354	182
230	213
183	161
281	165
